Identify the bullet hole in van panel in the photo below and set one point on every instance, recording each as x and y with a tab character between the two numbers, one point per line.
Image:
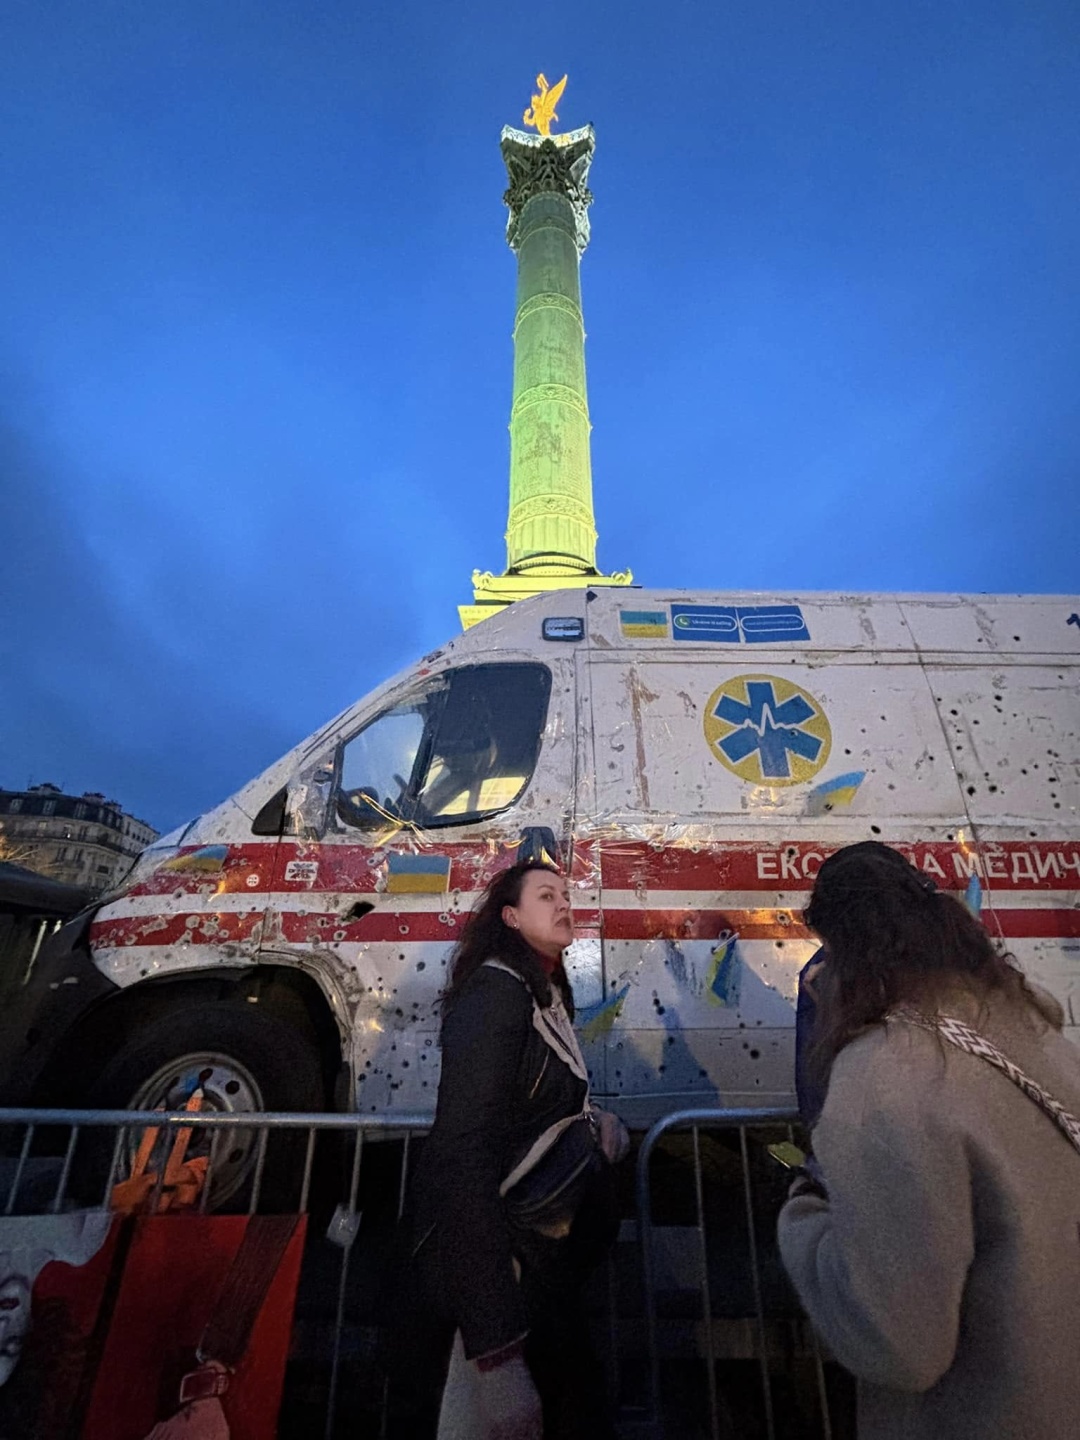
755	1054
420	964
971	789
875	829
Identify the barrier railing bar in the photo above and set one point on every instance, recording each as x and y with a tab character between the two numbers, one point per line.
260	1166
305	1184
214	1119
204	1198
755	1280
61	1185
114	1166
679	1119
706	1299
384	1409
19	1168
354	1185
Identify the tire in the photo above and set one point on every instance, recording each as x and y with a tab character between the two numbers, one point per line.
247	1061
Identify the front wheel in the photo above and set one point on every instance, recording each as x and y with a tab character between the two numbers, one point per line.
245	1061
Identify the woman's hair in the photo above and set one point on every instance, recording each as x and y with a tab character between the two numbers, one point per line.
488	937
891	936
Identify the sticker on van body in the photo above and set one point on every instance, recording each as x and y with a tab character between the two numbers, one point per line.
644	624
767	730
736	624
418	874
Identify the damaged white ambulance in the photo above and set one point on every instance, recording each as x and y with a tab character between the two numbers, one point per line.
690	759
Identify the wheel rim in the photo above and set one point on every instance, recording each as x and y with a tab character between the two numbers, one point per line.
229	1088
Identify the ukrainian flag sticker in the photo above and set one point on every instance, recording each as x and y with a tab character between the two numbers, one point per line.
644	624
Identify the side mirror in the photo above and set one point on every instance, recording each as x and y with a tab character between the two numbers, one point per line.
538	844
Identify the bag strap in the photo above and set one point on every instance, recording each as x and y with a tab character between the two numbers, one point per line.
253	1268
552	1025
972	1043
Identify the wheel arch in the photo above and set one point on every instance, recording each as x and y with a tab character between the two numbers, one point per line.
283	991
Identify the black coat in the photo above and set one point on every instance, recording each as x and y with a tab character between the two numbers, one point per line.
502	1085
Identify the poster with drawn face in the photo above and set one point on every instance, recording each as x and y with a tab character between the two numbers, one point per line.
27	1244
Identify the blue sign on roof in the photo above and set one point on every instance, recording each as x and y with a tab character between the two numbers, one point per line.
735	624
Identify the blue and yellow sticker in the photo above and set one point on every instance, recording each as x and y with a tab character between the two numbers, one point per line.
739	624
418	874
644	624
767	730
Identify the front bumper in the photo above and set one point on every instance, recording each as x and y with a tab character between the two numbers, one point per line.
64	985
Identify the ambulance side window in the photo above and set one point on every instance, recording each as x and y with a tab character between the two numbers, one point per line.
377	766
463	749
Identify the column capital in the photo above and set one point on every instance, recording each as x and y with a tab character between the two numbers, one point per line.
555	165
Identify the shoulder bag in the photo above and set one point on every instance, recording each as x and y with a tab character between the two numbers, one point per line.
547	1182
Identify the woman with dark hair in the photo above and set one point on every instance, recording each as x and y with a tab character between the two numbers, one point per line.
508	1212
936	1246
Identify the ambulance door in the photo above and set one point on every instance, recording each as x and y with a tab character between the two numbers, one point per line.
722	781
404	821
1012	729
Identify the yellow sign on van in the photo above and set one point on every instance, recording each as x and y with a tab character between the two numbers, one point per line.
767	730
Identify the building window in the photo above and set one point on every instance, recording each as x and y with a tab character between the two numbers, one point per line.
48	807
16	805
61	852
80	811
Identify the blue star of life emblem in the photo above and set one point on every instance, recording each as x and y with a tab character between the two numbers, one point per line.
767	730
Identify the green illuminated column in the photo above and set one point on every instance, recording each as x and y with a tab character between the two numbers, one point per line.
551	526
551	530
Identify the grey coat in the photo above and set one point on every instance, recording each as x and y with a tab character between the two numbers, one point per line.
943	1270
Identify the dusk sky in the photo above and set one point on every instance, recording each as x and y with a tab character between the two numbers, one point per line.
255	355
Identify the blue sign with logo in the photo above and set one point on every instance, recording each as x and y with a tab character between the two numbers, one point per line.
735	624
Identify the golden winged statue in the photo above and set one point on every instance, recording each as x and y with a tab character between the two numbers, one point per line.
541	112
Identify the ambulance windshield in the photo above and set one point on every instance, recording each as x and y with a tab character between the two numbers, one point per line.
462	748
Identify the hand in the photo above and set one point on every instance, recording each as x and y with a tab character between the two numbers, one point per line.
200	1420
614	1137
510	1402
808	1180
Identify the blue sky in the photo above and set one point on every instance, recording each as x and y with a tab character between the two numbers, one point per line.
255	313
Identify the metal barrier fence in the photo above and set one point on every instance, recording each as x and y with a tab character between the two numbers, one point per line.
754	1128
324	1166
60	1160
